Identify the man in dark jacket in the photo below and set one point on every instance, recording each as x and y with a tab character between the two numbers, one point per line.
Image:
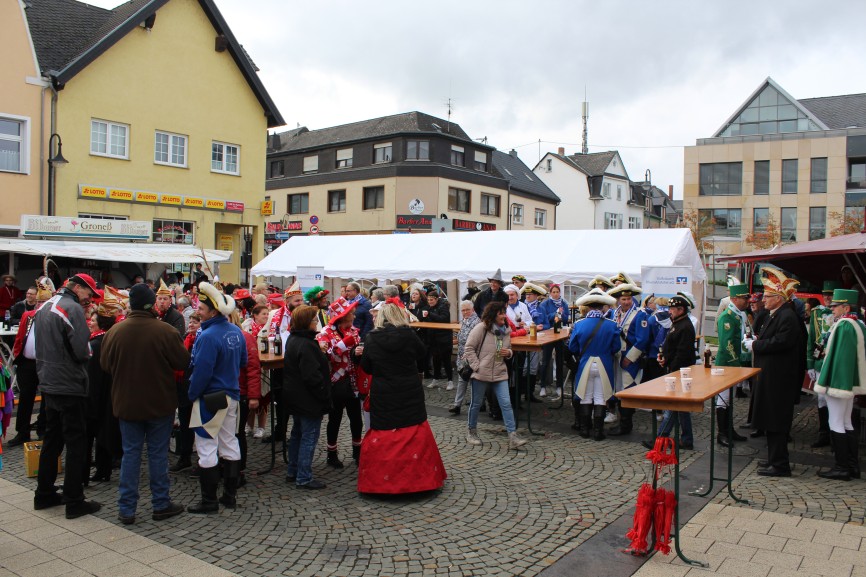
780	353
363	319
166	312
28	304
142	355
62	354
492	293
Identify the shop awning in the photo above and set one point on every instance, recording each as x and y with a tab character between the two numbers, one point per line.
845	244
143	253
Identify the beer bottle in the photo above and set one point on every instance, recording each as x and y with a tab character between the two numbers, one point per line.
278	345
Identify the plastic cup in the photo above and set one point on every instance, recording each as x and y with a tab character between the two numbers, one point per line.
686	372
686	384
670	384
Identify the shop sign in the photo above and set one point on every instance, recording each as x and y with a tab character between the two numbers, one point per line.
420	222
215	204
234	206
171	199
148	197
267	207
93	192
193	201
119	194
460	224
87	191
62	226
273	227
293	225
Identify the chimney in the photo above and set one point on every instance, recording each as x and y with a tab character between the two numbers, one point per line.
671	191
513	153
561	151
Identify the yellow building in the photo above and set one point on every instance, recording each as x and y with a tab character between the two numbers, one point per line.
23	132
162	118
800	164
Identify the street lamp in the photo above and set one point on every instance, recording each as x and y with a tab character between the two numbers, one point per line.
53	161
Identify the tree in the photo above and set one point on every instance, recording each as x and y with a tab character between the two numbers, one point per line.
701	229
847	222
767	236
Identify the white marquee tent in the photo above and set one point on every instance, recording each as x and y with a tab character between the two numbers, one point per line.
143	253
553	255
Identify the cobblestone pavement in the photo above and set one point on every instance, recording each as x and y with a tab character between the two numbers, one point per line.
501	512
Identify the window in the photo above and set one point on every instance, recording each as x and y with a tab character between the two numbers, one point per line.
382	152
762	177
721	179
418	150
606	190
173	231
612	220
13	144
516	214
634	222
374	197
490	204
856	172
108	139
619	192
458	157
725	221
336	201
298	203
818	176
278	169
769	113
817	222
761	220
225	158
789	176
344	158
789	224
311	164
481	161
459	200
169	149
92	216
540	217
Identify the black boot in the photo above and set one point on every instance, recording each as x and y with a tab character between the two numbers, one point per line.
840	470
853	453
598	412
585	421
722	427
532	397
231	475
625	423
356	453
334	460
209	479
823	428
578	416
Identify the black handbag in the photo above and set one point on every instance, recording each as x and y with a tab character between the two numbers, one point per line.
214	402
466	372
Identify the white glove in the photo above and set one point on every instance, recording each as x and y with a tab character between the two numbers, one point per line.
813	375
747	344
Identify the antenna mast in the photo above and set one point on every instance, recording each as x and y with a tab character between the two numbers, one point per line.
449	106
585	148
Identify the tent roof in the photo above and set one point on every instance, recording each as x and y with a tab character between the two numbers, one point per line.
848	243
143	253
556	255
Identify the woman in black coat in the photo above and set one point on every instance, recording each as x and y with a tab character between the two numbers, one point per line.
399	453
306	394
440	341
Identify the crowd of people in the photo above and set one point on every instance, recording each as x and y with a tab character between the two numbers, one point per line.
121	369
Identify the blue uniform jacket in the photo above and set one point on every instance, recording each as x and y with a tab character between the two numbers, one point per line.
548	312
602	350
636	331
218	354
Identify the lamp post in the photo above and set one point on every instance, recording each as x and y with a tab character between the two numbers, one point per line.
648	188
53	161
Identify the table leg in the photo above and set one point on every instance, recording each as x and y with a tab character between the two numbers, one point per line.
272	410
528	409
675	530
731	395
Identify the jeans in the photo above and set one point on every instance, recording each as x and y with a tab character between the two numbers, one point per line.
686	437
500	389
302	447
156	433
65	423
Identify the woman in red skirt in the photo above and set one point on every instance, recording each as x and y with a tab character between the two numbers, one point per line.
399	453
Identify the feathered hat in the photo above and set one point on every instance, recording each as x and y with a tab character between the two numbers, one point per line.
777	282
163	290
596	296
44	289
110	305
208	294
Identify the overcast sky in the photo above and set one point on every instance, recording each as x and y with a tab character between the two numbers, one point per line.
657	75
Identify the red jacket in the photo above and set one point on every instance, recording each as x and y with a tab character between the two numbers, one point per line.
24	328
250	379
8	297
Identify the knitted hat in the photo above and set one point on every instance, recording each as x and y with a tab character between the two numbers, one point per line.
141	297
512	288
339	309
163	290
209	295
596	296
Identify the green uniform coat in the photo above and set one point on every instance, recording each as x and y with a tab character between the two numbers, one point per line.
729	327
844	371
820	323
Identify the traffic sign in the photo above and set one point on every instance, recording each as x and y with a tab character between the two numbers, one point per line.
281	236
314	229
314	219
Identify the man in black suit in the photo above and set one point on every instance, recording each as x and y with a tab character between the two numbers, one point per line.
780	353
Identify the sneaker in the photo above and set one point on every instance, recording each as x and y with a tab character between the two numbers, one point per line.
542	392
247	430
556	395
515	441
432	384
259	433
610	418
450	386
170	511
81	508
472	437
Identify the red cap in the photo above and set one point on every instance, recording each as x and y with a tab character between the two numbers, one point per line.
242	293
97	297
85	280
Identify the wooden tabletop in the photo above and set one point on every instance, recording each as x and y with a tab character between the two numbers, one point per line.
428	325
525	343
271	361
652	394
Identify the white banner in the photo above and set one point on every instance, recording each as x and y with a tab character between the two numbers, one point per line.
311	276
62	226
665	281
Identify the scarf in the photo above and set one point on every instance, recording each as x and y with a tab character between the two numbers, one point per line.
255	327
277	320
594	314
96	334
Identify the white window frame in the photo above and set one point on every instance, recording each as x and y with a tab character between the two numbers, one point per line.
458	153
171	142
224	146
605	188
108	138
174	225
612	221
311	164
23	141
387	152
516	214
634	222
540	222
344	158
480	159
